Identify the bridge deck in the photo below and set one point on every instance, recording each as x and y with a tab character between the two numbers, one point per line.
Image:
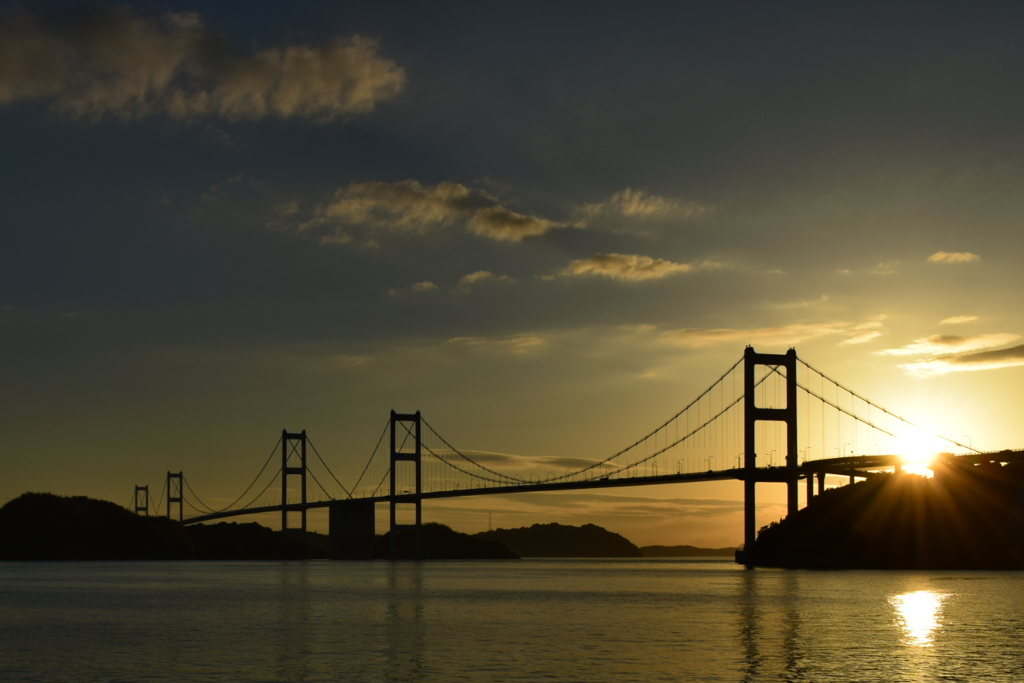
856	465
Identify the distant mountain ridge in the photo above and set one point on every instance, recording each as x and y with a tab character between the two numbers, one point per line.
561	540
685	551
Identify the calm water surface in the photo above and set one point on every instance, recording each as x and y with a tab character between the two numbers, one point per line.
533	620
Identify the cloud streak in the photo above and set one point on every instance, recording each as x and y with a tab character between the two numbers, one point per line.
94	63
632	203
410	206
520	344
786	335
963	362
958	319
948	343
632	267
468	281
947	353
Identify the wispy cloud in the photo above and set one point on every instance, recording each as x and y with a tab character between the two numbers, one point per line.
426	286
410	206
519	344
786	335
640	204
633	267
93	63
947	353
957	319
948	343
800	304
499	223
962	362
479	276
953	257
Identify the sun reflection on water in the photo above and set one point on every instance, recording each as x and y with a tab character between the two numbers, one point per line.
918	613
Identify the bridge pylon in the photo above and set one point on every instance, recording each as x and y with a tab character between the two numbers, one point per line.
175	494
752	414
293	450
142	499
402	452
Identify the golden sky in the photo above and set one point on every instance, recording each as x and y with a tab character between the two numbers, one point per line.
548	228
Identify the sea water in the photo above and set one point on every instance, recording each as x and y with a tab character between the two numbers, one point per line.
529	620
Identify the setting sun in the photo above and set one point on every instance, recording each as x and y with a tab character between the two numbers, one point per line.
917	459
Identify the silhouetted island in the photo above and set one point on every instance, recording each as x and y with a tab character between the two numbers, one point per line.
685	551
560	540
42	526
966	517
441	542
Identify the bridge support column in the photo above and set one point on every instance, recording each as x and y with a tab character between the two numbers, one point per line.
810	488
293	462
142	500
352	530
401	545
751	415
821	483
175	482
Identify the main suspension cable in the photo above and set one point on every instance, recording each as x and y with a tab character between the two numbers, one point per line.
885	410
328	471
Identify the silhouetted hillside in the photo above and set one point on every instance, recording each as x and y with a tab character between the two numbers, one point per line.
559	540
441	542
42	526
685	551
252	541
967	517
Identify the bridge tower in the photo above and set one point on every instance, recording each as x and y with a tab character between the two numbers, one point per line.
406	497
752	414
175	483
142	499
293	462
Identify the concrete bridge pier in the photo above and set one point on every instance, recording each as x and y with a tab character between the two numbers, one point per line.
352	530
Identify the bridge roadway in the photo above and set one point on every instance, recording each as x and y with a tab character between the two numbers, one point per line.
854	466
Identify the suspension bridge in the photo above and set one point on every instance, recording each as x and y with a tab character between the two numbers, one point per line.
770	418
